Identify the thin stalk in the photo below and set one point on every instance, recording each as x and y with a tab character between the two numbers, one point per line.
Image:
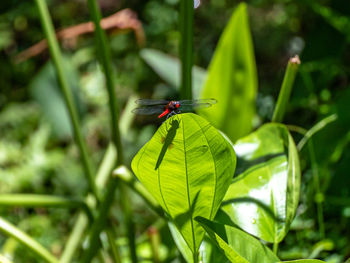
107	201
316	128
195	257
32	200
100	222
81	224
114	248
186	47
12	231
125	176
154	240
286	89
105	58
275	248
319	197
62	79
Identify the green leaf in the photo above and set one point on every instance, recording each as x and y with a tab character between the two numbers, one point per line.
10	230
168	68
303	261
181	243
45	90
238	246
187	167
209	252
263	198
232	79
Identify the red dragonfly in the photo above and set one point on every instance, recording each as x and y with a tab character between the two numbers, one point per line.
169	108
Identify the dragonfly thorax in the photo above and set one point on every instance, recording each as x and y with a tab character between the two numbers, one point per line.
173	105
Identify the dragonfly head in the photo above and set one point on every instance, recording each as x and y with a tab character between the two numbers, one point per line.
177	104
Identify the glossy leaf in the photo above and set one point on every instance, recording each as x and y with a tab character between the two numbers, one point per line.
232	79
263	198
209	252
187	167
238	246
168	68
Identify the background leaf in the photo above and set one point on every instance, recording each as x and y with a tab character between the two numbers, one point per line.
232	79
238	246
168	68
45	90
304	261
187	166
263	198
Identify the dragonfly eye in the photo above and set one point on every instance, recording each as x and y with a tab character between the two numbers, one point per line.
177	105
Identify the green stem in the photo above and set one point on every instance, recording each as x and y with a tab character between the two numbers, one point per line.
316	128
154	240
62	79
125	176
114	248
286	89
275	248
100	222
105	57
319	197
12	231
195	257
80	225
186	46
32	200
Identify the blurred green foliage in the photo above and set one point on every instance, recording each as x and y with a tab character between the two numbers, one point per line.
34	159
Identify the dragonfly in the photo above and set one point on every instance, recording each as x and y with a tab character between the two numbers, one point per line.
170	108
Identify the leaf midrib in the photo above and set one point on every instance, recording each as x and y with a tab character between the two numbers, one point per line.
188	189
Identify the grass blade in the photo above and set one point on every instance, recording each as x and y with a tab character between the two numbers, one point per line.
12	231
57	59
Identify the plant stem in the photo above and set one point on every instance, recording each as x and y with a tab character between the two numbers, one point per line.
105	57
12	231
114	248
316	128
62	79
82	222
125	176
32	200
275	247
154	240
195	257
319	197
286	89
186	46
100	222
104	54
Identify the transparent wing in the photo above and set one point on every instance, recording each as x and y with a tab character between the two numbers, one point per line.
149	110
150	102
194	106
199	101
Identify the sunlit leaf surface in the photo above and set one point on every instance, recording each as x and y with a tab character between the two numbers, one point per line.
232	79
187	166
238	246
263	198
